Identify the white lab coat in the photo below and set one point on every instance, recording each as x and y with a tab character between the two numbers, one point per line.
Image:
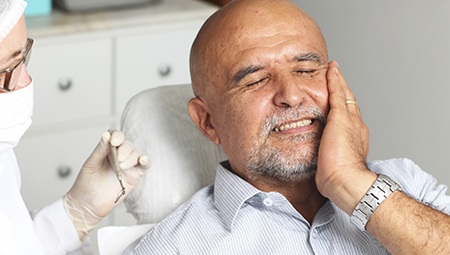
48	231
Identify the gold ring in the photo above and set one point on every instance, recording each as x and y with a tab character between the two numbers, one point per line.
350	101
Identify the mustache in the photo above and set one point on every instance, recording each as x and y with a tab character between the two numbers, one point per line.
282	116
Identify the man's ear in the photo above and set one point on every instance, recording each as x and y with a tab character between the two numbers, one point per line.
199	112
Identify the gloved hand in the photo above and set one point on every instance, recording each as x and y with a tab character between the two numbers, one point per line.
93	195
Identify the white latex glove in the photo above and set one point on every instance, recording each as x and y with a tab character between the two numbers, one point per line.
92	196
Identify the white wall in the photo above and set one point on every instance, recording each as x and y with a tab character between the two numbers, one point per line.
395	55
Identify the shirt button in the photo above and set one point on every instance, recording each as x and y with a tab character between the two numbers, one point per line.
268	202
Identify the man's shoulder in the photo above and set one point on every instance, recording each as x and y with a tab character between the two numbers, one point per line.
183	226
186	215
394	167
402	170
413	181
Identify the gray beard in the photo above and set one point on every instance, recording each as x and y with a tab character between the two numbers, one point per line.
290	164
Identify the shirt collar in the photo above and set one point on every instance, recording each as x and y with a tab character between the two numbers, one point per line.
230	194
325	214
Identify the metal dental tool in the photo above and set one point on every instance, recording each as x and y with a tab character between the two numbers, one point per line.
115	164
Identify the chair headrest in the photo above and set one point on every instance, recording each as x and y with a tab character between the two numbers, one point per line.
182	159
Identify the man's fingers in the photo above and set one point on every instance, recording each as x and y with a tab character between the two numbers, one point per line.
340	95
336	93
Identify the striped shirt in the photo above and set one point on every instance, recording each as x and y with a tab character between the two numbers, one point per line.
233	217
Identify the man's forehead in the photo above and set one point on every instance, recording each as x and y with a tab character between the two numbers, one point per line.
246	36
286	52
244	25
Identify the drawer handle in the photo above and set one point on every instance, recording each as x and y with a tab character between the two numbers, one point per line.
64	171
64	83
164	69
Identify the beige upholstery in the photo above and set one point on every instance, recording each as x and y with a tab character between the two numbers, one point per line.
183	160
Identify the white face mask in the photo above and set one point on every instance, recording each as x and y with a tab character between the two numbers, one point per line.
16	109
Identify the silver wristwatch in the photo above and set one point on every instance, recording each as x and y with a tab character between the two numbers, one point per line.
378	192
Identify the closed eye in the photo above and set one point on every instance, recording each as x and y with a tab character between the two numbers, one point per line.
259	82
308	73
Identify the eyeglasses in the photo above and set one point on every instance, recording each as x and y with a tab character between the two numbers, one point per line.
10	76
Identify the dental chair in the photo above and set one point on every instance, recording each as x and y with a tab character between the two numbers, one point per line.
182	159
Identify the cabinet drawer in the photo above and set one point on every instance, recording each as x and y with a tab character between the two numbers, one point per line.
151	60
72	80
50	163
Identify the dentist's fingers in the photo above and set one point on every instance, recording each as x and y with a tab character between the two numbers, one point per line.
100	152
131	159
116	137
125	150
144	162
134	168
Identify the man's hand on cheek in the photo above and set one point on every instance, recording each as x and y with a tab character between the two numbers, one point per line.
342	175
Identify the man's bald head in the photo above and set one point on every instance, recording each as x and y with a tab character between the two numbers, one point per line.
239	21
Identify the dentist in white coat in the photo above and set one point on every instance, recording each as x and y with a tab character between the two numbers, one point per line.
61	227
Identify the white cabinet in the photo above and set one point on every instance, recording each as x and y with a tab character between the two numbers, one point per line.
73	80
51	162
85	68
153	59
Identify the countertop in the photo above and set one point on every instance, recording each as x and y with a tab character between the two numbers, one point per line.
60	22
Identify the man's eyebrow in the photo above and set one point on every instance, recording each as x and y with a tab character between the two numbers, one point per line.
241	73
313	57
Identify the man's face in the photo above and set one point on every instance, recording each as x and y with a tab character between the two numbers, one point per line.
270	100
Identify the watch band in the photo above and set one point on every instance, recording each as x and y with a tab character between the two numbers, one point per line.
382	188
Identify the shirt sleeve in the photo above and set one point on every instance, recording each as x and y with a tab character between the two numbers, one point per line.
56	232
415	182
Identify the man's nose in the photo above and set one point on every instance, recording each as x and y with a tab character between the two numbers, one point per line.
289	93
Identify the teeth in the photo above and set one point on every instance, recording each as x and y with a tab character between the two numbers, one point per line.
300	123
